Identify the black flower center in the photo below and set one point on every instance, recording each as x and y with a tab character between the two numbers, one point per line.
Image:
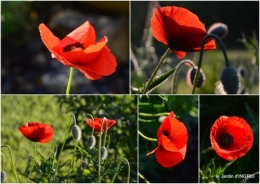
166	133
70	47
225	140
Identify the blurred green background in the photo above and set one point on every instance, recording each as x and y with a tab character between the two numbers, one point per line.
56	111
185	109
246	107
26	64
240	17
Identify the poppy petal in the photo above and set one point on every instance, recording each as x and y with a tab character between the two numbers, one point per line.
180	29
84	34
48	38
37	132
167	144
241	133
102	65
80	57
167	158
179	54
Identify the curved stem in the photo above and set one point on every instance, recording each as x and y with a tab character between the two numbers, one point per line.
70	81
99	149
156	70
63	144
105	136
141	176
34	154
128	166
12	159
201	54
174	79
145	137
93	122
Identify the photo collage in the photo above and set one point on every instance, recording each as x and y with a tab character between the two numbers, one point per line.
130	92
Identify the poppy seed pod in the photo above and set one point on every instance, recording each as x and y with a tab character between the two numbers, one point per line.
191	75
230	80
76	132
219	29
104	153
3	176
91	141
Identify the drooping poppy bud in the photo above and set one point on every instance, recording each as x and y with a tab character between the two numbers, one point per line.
230	80
191	76
91	141
3	176
219	29
76	132
104	153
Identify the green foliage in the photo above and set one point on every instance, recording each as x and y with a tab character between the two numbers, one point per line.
56	110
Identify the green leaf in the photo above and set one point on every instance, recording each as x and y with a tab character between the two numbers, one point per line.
159	79
156	81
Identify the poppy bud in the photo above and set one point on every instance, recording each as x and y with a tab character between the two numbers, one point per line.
3	176
242	71
191	75
91	141
230	80
104	153
219	29
76	132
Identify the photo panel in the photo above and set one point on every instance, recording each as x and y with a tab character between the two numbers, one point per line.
69	139
166	47
229	139
65	47
168	139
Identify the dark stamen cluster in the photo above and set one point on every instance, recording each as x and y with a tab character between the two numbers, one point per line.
69	47
225	140
166	133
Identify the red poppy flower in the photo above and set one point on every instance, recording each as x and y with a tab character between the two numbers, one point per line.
179	29
98	122
231	137
172	142
37	132
79	49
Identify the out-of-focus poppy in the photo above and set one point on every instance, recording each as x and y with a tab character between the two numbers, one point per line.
37	132
172	138
231	137
79	49
179	29
191	75
98	123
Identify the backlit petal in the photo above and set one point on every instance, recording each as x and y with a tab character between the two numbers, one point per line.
48	38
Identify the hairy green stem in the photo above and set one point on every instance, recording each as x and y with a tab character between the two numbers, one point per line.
34	154
174	79
105	136
156	70
201	55
145	137
141	176
154	115
63	144
12	159
70	81
99	149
